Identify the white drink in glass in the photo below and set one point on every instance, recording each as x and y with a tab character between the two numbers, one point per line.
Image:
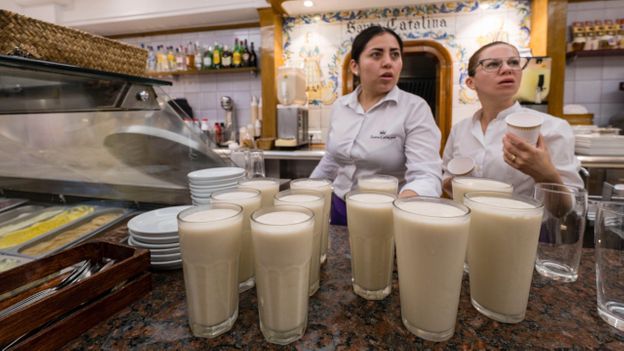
431	236
283	239
250	200
210	243
324	186
268	187
504	230
378	182
313	201
462	185
370	223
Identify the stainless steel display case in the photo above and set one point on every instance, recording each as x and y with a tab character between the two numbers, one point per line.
72	131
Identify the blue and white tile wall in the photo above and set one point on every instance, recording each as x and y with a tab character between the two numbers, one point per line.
594	81
203	91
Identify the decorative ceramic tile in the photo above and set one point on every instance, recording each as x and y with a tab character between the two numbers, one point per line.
319	42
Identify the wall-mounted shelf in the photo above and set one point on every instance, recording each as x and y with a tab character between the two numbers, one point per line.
594	53
252	70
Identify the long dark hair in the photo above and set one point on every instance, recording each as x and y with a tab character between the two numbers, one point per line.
360	41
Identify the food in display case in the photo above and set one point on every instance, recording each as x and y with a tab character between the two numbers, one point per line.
71	234
9	262
40	224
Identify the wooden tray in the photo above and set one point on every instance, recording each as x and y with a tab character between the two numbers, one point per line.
56	319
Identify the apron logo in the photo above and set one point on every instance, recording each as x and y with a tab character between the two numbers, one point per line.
382	135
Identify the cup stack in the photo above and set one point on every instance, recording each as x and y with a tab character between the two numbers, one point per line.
204	182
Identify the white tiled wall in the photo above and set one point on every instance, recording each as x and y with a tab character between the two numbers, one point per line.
594	81
204	91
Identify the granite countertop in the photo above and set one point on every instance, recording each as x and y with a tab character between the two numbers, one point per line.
559	315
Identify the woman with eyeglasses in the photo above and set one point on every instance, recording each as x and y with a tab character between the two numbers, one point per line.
495	72
378	128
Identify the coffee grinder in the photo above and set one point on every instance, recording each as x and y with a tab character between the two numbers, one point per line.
292	111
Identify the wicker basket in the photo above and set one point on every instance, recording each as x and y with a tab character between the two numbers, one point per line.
28	37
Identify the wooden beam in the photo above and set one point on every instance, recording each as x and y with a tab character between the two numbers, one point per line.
539	27
276	5
556	49
271	59
186	30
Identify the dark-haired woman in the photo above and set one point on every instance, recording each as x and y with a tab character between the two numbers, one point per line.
378	128
495	72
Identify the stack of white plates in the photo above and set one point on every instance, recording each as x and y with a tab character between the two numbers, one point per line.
158	231
596	144
204	182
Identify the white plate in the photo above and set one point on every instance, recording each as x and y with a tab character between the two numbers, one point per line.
137	243
170	251
216	173
165	258
163	220
211	187
155	239
167	264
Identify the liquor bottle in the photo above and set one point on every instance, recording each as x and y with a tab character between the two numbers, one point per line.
216	56
198	56
245	54
207	59
226	59
253	59
236	54
151	59
218	133
190	57
180	60
171	59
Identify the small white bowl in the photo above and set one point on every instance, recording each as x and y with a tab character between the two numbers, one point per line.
460	166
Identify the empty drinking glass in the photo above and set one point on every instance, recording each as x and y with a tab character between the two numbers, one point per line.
609	237
561	236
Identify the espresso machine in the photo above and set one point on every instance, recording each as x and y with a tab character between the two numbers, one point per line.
292	111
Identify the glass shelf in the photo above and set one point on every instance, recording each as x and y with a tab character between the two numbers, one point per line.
252	70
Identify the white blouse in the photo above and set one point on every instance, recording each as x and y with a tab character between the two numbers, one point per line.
468	140
397	136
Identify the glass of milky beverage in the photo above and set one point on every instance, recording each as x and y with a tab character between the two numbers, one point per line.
462	185
431	237
268	187
210	242
378	182
249	200
324	186
315	202
283	237
502	245
369	219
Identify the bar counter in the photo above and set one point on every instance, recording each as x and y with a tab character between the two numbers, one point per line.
559	315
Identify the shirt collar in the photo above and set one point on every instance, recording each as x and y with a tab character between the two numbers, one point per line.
352	99
501	115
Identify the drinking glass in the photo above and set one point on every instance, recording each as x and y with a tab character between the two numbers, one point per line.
431	236
502	244
369	219
255	164
210	243
561	237
282	240
609	240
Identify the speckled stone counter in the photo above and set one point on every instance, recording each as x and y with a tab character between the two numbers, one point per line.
559	315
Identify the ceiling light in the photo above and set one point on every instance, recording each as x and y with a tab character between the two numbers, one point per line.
308	3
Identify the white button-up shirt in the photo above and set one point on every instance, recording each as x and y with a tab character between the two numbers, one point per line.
468	140
397	136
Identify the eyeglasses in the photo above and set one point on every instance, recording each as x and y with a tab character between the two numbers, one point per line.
494	64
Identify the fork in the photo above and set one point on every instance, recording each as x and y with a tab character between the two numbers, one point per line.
80	272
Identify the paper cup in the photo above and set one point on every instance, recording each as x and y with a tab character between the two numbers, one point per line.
525	125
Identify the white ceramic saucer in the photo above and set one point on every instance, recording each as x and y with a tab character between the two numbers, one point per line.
161	221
